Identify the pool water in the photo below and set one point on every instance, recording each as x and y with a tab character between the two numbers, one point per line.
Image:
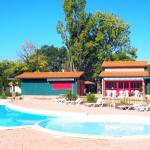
113	129
12	118
77	125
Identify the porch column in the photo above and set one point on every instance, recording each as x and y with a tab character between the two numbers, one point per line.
143	87
102	87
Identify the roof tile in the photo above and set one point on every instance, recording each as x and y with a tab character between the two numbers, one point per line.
124	64
124	74
43	75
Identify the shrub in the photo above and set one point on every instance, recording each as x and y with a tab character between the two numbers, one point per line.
70	96
18	94
122	102
91	98
4	95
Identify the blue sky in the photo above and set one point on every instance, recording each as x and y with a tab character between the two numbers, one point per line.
36	20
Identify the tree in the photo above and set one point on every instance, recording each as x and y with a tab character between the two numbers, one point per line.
75	18
54	56
31	56
3	84
110	39
27	49
148	68
92	38
9	69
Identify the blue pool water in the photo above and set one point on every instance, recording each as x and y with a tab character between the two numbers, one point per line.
11	118
113	129
14	118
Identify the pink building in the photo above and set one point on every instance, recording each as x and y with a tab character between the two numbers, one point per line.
121	76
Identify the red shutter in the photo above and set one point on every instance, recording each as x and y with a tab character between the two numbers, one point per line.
62	85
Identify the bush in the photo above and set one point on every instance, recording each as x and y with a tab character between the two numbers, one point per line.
18	94
91	98
122	102
4	95
70	96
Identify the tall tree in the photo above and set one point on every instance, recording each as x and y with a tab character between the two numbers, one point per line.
92	38
75	18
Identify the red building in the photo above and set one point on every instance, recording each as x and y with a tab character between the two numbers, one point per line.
121	76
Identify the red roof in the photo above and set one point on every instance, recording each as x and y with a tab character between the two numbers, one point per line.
111	64
43	75
124	74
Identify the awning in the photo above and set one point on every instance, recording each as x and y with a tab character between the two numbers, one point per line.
89	83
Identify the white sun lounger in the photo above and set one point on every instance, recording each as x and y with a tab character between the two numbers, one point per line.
76	102
59	100
138	107
99	102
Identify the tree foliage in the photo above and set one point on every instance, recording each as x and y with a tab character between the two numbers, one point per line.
92	38
54	56
31	56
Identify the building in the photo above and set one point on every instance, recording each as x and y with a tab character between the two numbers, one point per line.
51	83
125	75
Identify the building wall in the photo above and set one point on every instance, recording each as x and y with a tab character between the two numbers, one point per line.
42	87
123	69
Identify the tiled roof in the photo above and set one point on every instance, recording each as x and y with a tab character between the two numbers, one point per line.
124	74
124	64
44	75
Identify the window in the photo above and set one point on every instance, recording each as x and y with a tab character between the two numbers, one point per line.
111	85
62	86
126	85
136	84
120	85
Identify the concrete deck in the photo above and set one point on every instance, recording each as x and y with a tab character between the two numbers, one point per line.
30	139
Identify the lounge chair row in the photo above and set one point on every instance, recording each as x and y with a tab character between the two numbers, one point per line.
64	100
138	107
101	102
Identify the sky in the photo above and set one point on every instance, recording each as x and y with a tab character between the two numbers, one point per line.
36	21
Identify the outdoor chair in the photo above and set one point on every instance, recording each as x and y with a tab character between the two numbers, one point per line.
126	93
147	108
121	94
76	102
137	94
124	107
59	100
138	107
108	93
99	102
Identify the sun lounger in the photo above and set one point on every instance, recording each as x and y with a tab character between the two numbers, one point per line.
59	100
99	102
147	108
76	102
124	107
138	107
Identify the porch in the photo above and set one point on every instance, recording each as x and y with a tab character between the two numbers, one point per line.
119	87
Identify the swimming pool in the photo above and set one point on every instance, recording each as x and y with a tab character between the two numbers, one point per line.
101	127
13	118
105	126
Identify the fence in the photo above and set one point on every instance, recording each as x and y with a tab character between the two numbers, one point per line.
130	100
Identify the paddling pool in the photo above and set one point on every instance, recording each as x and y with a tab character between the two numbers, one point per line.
105	126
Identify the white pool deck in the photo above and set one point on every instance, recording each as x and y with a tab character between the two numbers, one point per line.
30	139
